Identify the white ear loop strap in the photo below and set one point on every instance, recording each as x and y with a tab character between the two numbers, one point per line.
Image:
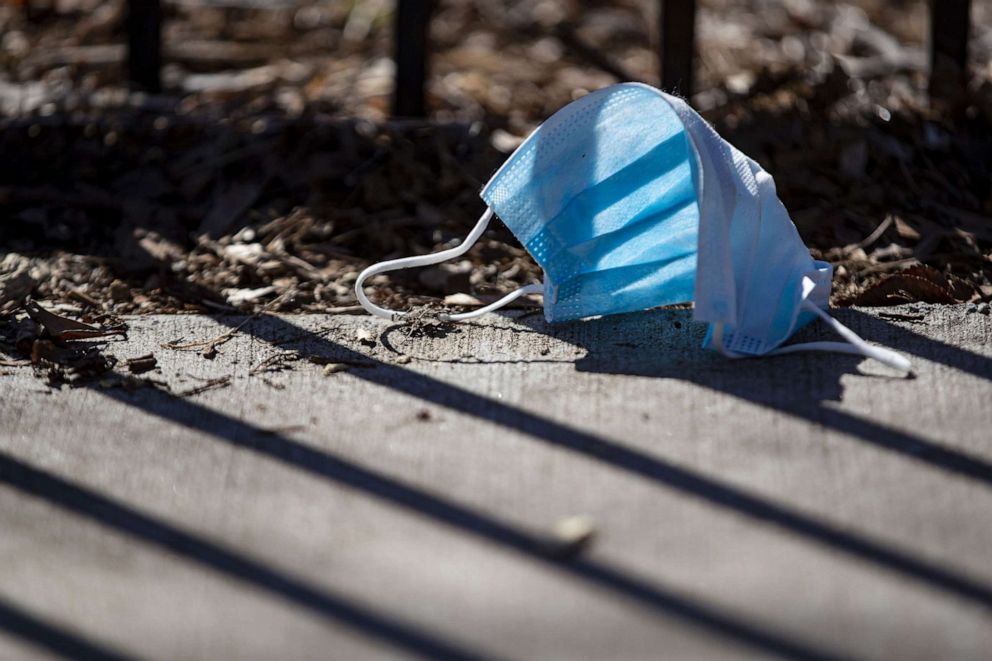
855	345
437	258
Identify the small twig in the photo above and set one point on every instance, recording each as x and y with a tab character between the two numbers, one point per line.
899	316
898	264
345	309
272	384
212	384
275	362
219	306
209	347
85	298
879	231
207	344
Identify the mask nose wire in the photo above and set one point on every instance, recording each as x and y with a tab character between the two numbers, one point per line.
854	345
436	258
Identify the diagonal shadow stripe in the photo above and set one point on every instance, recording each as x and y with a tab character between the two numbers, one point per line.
867	431
144	528
604	357
872	433
55	640
464	519
745	382
917	344
274	329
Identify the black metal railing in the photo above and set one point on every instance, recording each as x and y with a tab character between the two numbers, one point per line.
144	44
950	25
949	29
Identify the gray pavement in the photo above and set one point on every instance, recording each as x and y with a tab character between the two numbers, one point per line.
409	500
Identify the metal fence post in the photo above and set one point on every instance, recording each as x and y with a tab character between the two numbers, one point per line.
678	42
144	44
950	21
410	41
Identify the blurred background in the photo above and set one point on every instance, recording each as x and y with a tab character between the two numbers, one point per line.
268	171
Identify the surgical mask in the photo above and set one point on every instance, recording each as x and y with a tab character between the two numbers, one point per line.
629	200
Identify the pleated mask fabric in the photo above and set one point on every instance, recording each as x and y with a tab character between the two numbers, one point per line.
603	197
629	200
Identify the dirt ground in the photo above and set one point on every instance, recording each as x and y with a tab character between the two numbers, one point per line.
268	173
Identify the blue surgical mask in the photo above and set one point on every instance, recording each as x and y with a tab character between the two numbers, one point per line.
628	200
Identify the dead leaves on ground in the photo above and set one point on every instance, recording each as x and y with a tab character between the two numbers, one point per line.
59	348
66	351
63	328
922	284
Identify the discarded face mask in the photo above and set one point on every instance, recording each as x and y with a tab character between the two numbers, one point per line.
629	200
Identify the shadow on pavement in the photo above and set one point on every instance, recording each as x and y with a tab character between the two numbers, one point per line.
797	384
711	490
57	641
441	510
635	355
149	530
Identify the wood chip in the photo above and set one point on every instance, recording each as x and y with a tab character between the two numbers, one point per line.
238	297
573	535
365	337
462	299
142	364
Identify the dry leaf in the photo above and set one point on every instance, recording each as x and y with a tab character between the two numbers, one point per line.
63	328
916	284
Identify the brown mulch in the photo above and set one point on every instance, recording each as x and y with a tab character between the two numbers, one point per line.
268	174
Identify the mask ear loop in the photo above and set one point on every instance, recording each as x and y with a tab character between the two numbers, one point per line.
854	345
437	258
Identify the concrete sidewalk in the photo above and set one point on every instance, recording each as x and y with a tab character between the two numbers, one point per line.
408	500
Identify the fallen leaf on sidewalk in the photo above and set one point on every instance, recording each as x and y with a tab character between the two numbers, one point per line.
64	328
918	283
